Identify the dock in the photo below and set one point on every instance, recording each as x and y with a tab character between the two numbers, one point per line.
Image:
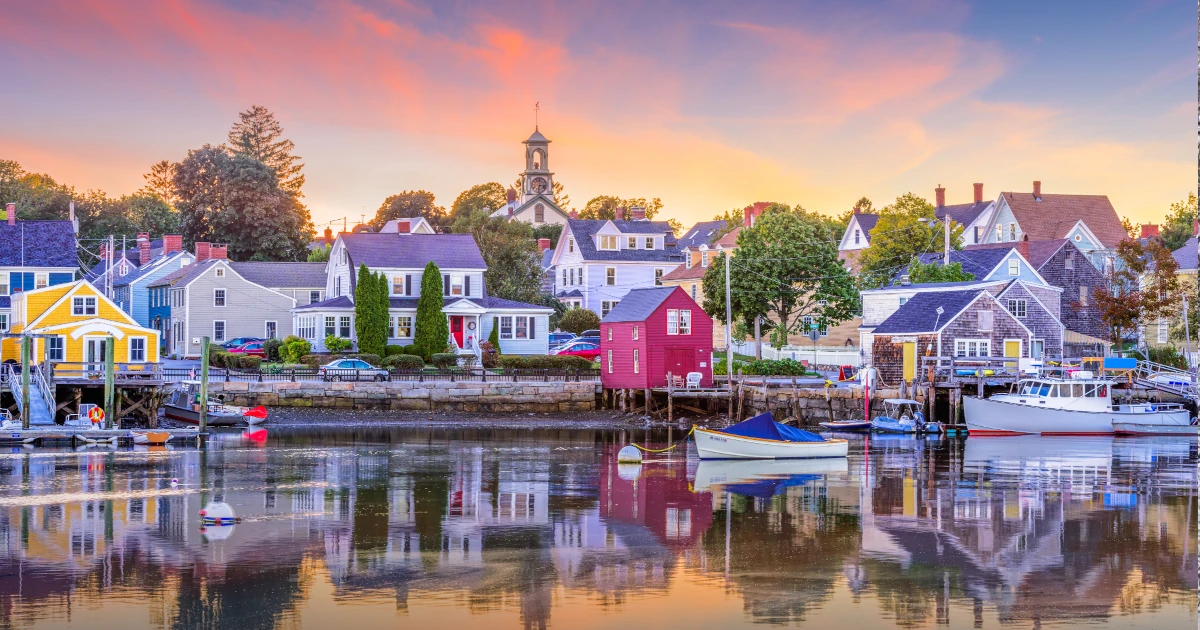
78	435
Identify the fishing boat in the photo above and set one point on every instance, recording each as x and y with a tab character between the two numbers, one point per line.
761	437
1079	405
184	405
848	426
903	415
150	437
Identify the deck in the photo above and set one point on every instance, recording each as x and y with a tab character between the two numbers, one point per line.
124	374
79	435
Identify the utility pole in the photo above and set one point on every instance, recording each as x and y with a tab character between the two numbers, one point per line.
728	325
108	281
110	348
946	255
1187	333
757	338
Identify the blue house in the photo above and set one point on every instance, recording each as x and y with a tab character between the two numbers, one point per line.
33	255
132	291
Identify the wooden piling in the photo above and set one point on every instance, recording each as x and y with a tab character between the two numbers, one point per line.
110	390
670	400
26	351
741	396
204	348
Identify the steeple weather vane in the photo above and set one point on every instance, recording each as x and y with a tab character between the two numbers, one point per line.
536	106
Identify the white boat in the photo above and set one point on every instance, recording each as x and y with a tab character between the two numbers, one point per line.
1081	405
712	474
761	437
1150	423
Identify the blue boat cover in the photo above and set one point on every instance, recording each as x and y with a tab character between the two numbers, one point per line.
763	426
767	488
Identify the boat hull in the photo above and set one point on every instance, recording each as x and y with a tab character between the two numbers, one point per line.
1139	428
214	420
847	425
985	416
717	445
887	425
150	437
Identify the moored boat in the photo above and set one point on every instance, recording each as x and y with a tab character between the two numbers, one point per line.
849	426
150	437
903	415
761	437
1151	423
184	406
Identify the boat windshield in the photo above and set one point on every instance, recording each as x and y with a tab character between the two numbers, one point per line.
1063	390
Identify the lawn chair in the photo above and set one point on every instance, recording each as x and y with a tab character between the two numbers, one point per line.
693	379
676	380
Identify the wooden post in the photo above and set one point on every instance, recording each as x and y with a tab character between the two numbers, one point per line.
794	403
931	400
204	347
646	397
981	382
26	352
110	389
741	396
670	401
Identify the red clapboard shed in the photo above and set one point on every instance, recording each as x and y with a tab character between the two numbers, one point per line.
651	332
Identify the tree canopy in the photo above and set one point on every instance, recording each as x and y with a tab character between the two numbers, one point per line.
605	207
433	331
490	195
1179	224
514	267
1142	288
787	272
899	236
259	135
410	203
919	272
577	320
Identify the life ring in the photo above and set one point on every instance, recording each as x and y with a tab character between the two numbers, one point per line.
96	415
470	325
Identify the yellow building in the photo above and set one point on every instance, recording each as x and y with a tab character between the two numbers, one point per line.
77	318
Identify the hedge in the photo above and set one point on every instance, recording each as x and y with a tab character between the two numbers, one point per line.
546	362
763	367
444	360
403	362
294	349
314	361
391	351
374	359
229	360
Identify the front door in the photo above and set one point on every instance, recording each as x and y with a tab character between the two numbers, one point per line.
680	361
93	352
910	360
456	329
1012	348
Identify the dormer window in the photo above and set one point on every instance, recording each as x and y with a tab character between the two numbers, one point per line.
688	258
608	242
632	242
703	259
649	242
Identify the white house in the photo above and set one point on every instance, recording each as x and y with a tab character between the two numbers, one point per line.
598	261
408	225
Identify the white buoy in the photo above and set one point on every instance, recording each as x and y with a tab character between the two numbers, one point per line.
174	482
218	513
629	455
629	472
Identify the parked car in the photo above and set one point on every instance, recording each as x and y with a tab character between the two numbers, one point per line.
560	339
589	350
351	370
254	349
590	335
238	342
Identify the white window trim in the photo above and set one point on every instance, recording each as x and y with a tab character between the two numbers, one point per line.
1163	331
266	329
310	297
219	272
1014	267
979	344
608	239
224	330
145	350
83	301
507	320
672	321
46	348
3	321
610	362
636	362
685	314
41	280
610	276
1023	310
224	297
659	272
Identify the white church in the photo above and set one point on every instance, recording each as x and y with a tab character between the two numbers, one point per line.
535	203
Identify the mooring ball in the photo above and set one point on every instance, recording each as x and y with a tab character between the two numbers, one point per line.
629	472
629	454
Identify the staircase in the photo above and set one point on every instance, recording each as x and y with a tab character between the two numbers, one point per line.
41	399
1165	378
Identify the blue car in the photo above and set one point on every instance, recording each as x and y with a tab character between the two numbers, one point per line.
559	339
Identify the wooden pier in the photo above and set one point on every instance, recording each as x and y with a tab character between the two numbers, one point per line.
79	435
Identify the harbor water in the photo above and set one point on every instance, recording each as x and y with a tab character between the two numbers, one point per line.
439	527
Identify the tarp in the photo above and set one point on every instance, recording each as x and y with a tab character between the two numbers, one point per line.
767	488
763	426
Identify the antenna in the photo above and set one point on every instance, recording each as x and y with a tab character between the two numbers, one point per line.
536	107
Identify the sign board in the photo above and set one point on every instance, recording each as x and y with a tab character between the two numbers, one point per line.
814	335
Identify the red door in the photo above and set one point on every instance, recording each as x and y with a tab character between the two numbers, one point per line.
680	361
456	329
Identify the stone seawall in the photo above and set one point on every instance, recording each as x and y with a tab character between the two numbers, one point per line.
414	396
811	406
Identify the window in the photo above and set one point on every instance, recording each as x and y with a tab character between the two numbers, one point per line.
610	333
3	321
564	276
672	321
1014	267
271	330
978	233
703	259
524	327
314	297
1070	261
649	242
636	367
635	333
344	327
687	257
570	245
83	306
41	280
632	242
1012	231
506	327
658	274
56	349
999	232
397	285
1162	331
218	330
1083	296
306	327
1039	347
345	257
337	286
903	301
539	213
403	328
608	242
685	321
610	365
972	348
857	236
606	306
610	276
137	349
693	290
456	284
218	297
3	284
1017	307
330	326
220	272
985	321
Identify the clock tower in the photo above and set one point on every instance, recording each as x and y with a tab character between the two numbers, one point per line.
538	178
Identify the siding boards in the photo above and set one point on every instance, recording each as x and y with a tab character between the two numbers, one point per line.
1075	316
248	307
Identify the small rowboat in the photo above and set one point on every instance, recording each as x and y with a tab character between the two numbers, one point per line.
847	425
150	437
761	437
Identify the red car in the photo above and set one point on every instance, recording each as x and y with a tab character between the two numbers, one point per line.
254	349
580	348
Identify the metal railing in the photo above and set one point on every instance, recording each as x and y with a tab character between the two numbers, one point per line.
38	377
95	371
472	375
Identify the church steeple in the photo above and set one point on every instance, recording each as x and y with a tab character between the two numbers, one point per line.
538	178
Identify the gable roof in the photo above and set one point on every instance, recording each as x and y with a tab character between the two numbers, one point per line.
1053	216
639	304
684	272
71	290
702	234
393	226
867	223
414	251
38	244
1040	252
963	213
1186	255
919	313
585	229
186	274
141	272
980	262
297	275
730	239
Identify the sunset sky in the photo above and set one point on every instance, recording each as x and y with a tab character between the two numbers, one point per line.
708	105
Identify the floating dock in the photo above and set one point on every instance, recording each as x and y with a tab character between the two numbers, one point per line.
73	435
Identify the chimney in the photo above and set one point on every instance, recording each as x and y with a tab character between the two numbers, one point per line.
940	195
1148	230
143	242
620	213
751	213
978	193
328	237
10	211
574	213
203	251
219	252
403	227
172	243
1037	190
1023	246
543	245
637	213
511	195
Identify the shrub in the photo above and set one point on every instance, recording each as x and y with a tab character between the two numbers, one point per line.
249	363
403	362
272	347
410	350
763	367
541	361
578	320
494	337
333	343
393	351
1168	355
294	349
312	361
489	354
373	359
444	360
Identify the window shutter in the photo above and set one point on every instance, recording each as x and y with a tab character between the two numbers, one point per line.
445	284
467	285
408	284
531	320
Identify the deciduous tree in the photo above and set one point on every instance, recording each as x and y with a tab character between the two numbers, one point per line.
410	203
490	195
577	320
605	207
1142	288
1180	224
514	267
936	272
259	135
899	236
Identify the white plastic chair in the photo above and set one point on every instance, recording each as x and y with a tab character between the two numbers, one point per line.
693	379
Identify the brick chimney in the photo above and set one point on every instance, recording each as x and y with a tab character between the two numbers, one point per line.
143	242
1023	246
512	210
574	213
172	243
10	211
328	238
1037	190
511	195
751	213
543	245
219	252
637	213
203	251
1148	230
939	193
978	192
620	212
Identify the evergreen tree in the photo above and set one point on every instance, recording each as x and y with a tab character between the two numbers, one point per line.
432	328
258	135
370	316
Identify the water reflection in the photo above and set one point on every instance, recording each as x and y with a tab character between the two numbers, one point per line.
541	528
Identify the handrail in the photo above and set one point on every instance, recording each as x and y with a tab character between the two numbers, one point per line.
39	380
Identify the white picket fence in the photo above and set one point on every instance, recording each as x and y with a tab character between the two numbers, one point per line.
821	355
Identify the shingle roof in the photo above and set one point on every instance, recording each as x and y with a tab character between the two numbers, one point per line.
537	137
185	275
1039	251
585	229
919	313
935	285
683	272
547	256
340	301
283	275
1054	215
1186	255
38	244
414	251
730	239
141	272
638	304
867	223
573	293
701	234
963	213
979	262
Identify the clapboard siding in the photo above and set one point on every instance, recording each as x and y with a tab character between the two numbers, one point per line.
248	307
652	345
887	355
966	326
